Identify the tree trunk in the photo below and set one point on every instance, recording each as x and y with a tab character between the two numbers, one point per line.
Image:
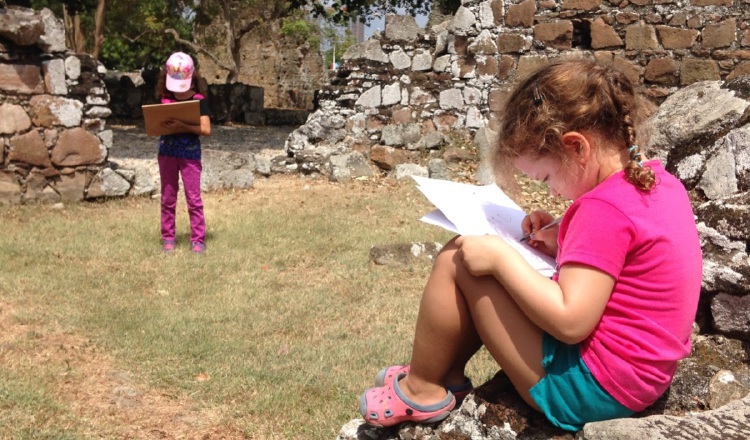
73	34
99	28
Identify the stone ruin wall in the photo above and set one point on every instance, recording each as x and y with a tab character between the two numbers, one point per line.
398	94
398	99
53	106
289	74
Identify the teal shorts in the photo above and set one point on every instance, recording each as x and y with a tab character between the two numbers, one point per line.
569	395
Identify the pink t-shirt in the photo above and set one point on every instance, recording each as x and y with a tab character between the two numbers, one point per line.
649	243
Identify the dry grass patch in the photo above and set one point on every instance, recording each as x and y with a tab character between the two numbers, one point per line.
272	334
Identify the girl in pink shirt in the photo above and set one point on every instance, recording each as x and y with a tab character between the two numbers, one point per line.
602	338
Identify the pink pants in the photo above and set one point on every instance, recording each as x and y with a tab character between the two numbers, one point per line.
170	169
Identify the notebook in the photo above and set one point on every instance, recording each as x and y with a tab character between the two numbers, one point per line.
479	210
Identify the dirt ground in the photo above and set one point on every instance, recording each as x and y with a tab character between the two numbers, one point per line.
112	402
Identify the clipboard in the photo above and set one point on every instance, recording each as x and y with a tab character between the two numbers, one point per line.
154	115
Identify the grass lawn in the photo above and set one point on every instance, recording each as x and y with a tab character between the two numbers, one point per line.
273	333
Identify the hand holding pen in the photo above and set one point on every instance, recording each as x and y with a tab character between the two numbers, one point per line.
547	226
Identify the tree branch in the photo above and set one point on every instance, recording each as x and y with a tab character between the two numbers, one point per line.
200	49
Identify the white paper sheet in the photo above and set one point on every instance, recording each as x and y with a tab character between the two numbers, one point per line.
480	210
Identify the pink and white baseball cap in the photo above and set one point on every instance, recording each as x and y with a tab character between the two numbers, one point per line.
180	69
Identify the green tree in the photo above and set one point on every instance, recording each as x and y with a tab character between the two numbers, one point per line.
123	34
131	34
141	33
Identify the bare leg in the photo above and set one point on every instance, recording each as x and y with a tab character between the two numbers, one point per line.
458	309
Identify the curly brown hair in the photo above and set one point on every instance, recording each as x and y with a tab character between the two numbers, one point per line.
573	95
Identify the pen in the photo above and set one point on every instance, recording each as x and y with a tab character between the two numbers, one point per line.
547	226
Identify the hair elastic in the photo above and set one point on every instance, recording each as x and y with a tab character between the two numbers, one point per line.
537	94
637	156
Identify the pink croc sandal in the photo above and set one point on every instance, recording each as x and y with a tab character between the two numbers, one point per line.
388	406
388	374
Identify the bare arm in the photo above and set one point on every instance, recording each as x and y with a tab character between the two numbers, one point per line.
568	309
202	129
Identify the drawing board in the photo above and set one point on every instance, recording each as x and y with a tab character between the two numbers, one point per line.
154	115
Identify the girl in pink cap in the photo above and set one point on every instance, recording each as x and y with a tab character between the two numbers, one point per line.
180	153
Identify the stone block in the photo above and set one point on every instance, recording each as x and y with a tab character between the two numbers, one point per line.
631	70
510	43
498	10
742	69
73	67
695	21
445	122
458	45
557	34
13	119
348	166
391	94
370	98
640	37
581	5
54	76
422	61
50	110
662	71
53	38
497	98
694	70
505	66
711	2
451	99
30	149
730	314
626	18
677	38
604	35
386	158
401	116
679	19
402	28
487	66
77	147
38	189
731	55
10	188
71	187
465	68
463	21
719	35
486	16
22	27
521	15
483	44
399	59
23	79
369	50
530	64
400	134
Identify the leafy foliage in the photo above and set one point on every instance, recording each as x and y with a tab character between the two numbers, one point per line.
134	29
142	33
135	32
300	30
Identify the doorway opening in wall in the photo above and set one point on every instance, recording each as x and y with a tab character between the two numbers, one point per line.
582	34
